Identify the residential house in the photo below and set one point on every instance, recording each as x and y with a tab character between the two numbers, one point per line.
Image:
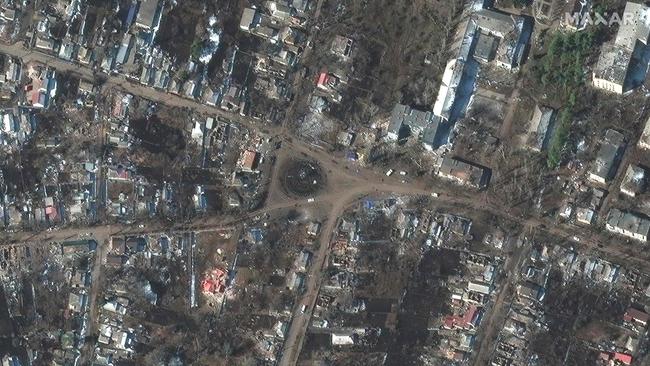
302	261
530	291
479	287
279	10
575	14
585	215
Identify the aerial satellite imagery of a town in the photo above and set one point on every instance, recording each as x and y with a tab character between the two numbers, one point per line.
324	183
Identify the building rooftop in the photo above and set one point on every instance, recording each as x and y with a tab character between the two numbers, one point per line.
430	134
249	160
541	124
644	141
464	173
497	22
447	94
613	63
414	119
606	162
486	47
341	46
634	180
248	19
634	26
147	14
628	222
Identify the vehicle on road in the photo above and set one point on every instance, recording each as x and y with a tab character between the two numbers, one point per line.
390	172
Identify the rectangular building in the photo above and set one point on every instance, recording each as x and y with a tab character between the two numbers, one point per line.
606	164
628	224
464	173
148	16
611	71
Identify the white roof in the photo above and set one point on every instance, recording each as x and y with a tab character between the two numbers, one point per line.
342	340
634	25
479	287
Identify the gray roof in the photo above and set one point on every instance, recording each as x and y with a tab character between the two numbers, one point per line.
540	127
403	115
465	173
429	134
497	22
628	221
635	25
146	13
613	63
611	148
247	18
645	136
486	47
635	179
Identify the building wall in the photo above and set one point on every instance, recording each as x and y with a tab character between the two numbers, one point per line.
630	234
608	85
597	178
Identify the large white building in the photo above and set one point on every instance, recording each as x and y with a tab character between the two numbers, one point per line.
612	70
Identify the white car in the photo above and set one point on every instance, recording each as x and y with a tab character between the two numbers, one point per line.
402	173
310	200
435	194
303	308
389	172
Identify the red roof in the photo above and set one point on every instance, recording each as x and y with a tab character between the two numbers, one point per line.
449	321
214	281
469	315
323	78
50	212
465	321
636	315
248	160
622	357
